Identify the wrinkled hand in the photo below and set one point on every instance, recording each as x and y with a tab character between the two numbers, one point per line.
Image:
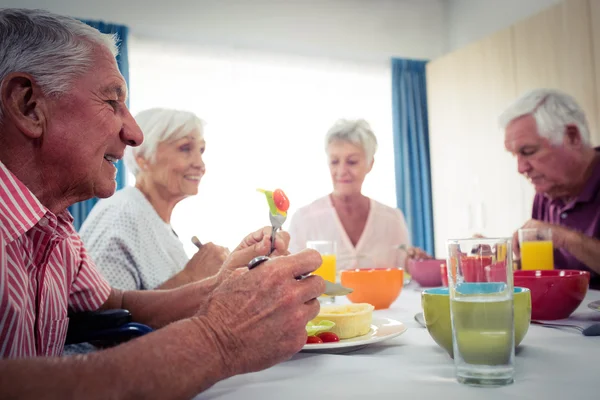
258	318
256	244
558	233
263	237
207	261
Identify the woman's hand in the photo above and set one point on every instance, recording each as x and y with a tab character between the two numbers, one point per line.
415	253
207	261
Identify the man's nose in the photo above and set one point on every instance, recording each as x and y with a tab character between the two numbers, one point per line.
131	134
523	166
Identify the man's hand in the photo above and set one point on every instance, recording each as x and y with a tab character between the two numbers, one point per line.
159	308
256	244
584	248
559	235
258	317
262	238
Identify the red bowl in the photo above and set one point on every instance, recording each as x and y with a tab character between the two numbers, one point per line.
555	294
473	267
496	272
444	274
426	272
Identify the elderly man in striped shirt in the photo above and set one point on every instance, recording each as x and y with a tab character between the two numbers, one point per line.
63	125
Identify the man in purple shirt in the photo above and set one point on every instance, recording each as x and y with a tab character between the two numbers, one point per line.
548	133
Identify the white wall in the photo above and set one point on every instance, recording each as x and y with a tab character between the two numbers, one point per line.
364	30
265	70
471	20
266	120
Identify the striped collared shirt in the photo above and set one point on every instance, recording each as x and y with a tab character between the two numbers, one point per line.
44	272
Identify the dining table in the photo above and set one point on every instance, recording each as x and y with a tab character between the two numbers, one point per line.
550	363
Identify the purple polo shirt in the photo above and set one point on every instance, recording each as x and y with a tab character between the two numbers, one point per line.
581	214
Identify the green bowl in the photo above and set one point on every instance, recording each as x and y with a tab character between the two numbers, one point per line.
436	311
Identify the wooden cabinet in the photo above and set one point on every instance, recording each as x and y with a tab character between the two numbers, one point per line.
554	49
475	183
446	144
474	179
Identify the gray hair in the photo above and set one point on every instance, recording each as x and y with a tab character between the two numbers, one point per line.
552	110
53	49
357	132
160	125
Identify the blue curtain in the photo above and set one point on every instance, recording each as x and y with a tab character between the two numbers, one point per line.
411	149
81	210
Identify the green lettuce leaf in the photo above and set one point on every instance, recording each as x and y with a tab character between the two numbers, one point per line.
269	196
313	329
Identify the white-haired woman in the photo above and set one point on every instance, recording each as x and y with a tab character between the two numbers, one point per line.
129	235
363	228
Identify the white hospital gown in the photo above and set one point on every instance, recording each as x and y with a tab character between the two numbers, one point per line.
384	230
130	244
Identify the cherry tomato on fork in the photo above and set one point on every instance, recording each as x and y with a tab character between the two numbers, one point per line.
313	340
328	337
281	201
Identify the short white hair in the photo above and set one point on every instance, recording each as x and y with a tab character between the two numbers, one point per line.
552	110
160	125
52	48
357	132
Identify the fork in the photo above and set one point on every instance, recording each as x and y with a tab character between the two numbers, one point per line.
277	221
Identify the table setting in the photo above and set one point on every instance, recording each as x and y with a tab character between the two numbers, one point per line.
469	326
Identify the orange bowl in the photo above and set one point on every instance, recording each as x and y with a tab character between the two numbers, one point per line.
376	286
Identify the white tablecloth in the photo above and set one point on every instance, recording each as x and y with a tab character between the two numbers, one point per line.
550	364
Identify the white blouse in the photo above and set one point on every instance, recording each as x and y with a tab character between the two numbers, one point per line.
384	230
131	245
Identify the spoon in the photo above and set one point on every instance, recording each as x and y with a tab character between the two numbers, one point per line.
420	319
590	330
594	305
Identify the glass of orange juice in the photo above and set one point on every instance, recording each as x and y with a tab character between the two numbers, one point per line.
537	252
327	249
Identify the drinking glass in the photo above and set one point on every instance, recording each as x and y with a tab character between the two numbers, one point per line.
481	309
327	249
537	252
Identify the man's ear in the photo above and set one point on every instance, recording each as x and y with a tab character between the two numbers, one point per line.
572	136
23	104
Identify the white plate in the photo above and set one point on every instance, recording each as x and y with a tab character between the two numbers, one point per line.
381	329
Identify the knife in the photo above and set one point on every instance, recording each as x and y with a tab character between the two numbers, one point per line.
335	289
331	289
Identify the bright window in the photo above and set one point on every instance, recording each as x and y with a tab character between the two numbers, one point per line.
266	119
